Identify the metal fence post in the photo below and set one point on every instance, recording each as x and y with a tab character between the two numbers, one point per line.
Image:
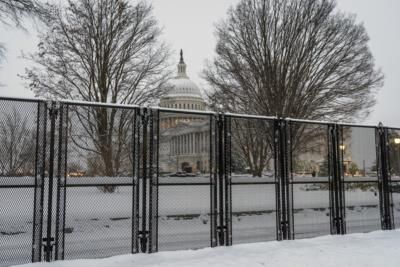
223	180
143	234
153	179
227	179
336	185
213	181
136	182
61	182
284	187
220	168
383	172
40	163
49	240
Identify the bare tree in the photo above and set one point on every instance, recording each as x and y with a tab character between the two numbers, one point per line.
13	11
2	51
299	59
2	56
251	143
106	51
17	145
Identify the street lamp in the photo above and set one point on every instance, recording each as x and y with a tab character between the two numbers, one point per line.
342	147
397	141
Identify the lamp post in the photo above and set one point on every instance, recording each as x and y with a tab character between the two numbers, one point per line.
342	148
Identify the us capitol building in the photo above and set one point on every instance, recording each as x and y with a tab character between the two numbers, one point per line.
184	138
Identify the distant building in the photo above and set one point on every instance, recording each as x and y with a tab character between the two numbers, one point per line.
358	151
184	138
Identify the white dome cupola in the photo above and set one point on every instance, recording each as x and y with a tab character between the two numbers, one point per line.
182	92
182	67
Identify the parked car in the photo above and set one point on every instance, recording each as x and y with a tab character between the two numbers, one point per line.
179	174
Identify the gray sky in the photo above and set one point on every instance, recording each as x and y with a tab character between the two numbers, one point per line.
189	24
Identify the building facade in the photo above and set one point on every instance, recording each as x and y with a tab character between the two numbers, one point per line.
184	137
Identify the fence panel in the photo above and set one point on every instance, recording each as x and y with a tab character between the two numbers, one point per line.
22	143
394	170
99	182
252	180
358	148
310	179
395	190
185	218
96	180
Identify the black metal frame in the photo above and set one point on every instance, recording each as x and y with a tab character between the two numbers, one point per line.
61	182
384	179
52	152
336	185
284	190
135	182
40	163
293	124
226	169
61	111
213	182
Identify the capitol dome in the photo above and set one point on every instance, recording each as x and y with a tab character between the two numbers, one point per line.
182	92
183	87
184	136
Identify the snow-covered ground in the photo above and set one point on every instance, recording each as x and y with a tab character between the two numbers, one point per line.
355	250
99	224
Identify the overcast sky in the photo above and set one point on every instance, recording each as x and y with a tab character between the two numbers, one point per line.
189	25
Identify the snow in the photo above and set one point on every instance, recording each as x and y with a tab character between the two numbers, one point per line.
373	249
99	229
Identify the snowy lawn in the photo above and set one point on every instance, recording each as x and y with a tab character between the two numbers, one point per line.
355	250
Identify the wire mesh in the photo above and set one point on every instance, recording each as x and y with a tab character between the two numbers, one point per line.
360	177
96	158
362	207
310	179
394	166
99	182
184	181
358	148
394	153
395	190
253	213
253	181
20	182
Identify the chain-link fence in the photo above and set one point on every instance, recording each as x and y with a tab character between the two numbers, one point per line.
22	154
98	201
91	180
185	180
251	167
310	179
